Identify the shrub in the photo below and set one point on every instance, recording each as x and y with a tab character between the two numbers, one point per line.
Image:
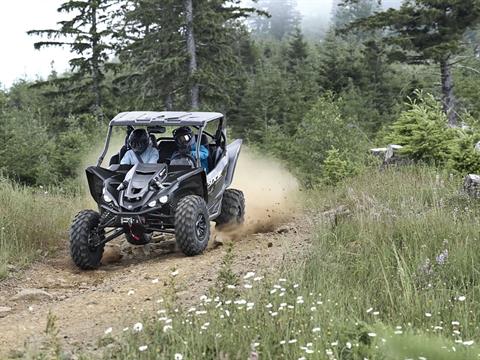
335	168
322	129
464	158
423	131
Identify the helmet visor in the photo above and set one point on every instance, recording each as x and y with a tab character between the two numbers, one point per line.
183	140
139	146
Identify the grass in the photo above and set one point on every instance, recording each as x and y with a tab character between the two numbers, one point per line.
34	222
397	277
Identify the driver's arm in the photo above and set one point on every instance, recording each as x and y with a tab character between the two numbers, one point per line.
153	155
203	152
127	158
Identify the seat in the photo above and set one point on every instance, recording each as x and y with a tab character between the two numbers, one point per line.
214	156
204	140
115	159
166	148
153	140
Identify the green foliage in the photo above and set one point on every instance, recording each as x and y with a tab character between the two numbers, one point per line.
360	292
346	12
154	54
465	159
38	148
33	222
322	128
361	75
425	29
334	168
423	131
91	44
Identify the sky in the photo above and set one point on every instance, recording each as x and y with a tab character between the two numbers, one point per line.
19	60
18	57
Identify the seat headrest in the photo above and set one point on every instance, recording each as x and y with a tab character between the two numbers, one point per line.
204	140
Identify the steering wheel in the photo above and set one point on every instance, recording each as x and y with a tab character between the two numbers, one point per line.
184	155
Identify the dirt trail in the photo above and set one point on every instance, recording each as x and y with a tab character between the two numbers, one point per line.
128	286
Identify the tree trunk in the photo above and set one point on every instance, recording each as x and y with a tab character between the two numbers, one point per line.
169	102
192	54
448	97
95	65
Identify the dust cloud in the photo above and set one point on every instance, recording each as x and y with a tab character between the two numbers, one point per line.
271	192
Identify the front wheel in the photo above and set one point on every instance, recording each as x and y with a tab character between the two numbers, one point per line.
192	225
83	234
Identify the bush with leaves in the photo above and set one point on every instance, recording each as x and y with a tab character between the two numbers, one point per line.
465	159
423	132
335	167
322	129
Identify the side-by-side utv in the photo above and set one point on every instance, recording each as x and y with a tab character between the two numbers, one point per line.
164	197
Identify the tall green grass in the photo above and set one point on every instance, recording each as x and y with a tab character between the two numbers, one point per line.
34	222
377	284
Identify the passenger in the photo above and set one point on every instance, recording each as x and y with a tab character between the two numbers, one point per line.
187	147
141	149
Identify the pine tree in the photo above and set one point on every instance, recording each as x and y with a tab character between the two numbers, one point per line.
220	35
153	53
426	31
297	50
87	34
187	57
283	18
344	13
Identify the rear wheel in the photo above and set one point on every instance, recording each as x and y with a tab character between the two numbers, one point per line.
83	236
233	209
192	225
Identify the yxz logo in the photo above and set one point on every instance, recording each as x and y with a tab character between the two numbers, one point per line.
214	179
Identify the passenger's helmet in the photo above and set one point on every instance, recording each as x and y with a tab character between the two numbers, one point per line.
138	140
183	137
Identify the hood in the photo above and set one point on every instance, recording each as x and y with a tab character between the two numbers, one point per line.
138	184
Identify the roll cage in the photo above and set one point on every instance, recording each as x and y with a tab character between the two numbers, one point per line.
156	121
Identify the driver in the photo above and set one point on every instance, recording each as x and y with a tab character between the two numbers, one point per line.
141	149
186	148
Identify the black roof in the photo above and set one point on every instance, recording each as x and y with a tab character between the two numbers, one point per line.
163	118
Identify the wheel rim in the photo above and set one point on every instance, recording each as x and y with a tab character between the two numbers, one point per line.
201	226
93	240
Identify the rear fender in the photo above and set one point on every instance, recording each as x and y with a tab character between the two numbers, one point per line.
233	151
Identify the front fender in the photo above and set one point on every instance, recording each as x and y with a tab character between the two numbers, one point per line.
191	183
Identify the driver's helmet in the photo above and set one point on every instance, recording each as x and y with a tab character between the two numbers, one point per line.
183	137
139	140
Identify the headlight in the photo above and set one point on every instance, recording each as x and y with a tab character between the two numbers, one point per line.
107	198
152	203
163	199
